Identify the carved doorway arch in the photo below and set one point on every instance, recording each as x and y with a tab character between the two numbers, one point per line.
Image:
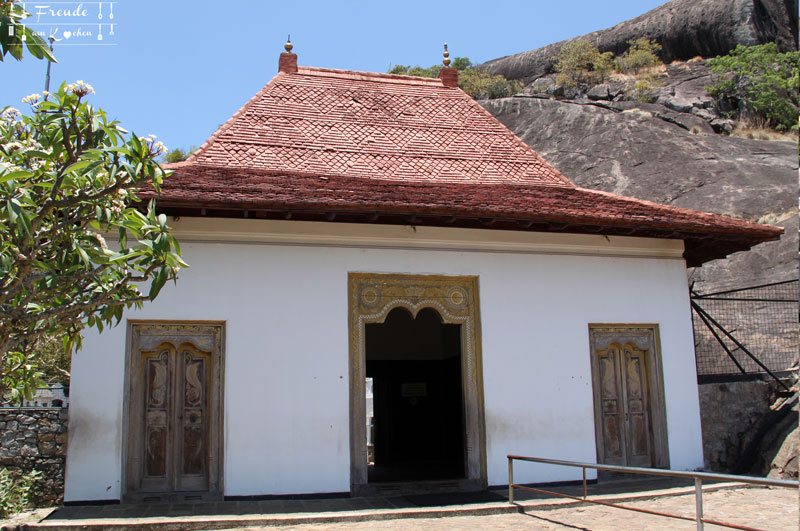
371	296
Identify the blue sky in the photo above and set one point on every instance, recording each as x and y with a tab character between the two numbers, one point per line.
179	68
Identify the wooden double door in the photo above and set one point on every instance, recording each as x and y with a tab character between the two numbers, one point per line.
174	443
630	424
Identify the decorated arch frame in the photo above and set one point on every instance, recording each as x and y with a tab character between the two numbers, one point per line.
371	296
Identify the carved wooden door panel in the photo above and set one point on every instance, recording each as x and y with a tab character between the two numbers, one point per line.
612	411
623	395
637	422
627	393
174	426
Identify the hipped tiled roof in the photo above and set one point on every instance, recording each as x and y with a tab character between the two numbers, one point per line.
360	147
373	126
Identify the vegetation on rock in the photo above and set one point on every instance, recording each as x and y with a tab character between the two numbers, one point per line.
641	53
758	84
684	28
479	85
580	62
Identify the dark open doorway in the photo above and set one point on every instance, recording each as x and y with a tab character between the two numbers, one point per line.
418	425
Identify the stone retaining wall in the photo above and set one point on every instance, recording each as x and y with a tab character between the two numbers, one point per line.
729	413
36	439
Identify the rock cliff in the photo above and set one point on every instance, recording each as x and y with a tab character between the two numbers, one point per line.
684	28
652	152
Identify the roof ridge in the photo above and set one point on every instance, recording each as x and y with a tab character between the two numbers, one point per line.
377	76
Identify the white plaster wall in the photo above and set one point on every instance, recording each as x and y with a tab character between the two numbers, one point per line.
286	379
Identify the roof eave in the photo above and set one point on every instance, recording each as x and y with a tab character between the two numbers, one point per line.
701	246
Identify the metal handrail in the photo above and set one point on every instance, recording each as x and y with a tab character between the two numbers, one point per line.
697	476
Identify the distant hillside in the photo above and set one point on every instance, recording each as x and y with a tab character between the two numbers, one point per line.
684	28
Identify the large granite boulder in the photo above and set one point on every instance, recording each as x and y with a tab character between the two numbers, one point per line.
684	28
651	152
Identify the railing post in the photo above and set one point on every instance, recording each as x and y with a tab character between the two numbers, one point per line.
584	481
510	480
698	501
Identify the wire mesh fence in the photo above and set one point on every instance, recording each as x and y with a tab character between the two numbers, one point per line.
761	320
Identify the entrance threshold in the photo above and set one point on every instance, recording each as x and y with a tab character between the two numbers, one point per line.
403	488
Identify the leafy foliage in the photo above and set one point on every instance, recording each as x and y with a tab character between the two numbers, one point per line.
760	84
52	360
641	53
178	154
481	85
642	88
477	84
15	36
68	178
461	63
580	62
15	492
408	70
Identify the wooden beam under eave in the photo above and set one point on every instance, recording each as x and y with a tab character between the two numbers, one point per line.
699	251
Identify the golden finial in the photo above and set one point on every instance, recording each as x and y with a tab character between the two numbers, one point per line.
288	46
446	56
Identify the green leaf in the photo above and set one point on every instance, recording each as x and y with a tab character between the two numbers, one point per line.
83	255
77	166
15	40
158	283
175	245
123	236
6	37
18	174
36	48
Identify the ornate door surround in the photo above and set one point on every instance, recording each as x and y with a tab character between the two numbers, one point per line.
173	412
627	382
371	296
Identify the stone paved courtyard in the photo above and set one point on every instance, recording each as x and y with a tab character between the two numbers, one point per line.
765	508
762	508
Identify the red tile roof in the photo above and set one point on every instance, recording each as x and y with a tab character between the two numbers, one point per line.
373	126
355	146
